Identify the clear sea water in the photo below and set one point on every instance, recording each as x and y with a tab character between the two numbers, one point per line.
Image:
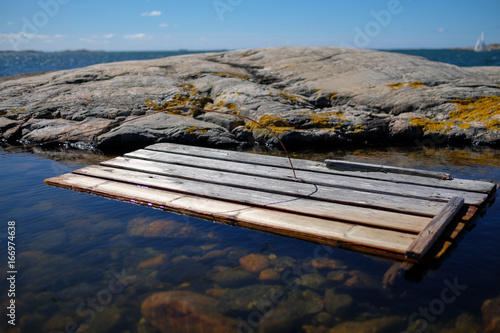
70	247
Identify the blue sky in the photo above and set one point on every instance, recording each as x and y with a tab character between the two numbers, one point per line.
52	25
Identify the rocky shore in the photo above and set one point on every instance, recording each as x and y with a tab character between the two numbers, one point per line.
309	96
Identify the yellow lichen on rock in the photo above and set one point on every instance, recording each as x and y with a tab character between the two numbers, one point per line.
16	111
234	75
224	74
357	128
493	125
416	84
275	123
326	119
396	86
289	98
484	110
187	97
431	126
195	130
399	85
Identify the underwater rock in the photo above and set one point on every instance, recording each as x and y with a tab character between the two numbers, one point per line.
183	269
269	274
281	315
315	329
104	321
282	263
491	315
328	263
313	281
254	263
307	95
231	278
359	279
337	276
323	319
337	303
278	320
216	292
378	325
153	262
465	323
57	323
250	298
185	312
302	303
145	227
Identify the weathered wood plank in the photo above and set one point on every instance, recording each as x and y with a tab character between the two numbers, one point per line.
301	206
299	164
288	187
431	233
337	181
304	227
365	167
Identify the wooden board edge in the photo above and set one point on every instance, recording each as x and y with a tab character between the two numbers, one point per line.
355	166
434	229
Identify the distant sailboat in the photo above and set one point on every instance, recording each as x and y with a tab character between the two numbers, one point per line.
480	45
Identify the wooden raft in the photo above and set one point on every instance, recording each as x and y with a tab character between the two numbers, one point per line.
388	211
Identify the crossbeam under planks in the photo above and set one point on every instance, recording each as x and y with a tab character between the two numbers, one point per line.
388	211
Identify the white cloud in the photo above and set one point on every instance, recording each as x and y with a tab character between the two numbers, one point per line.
21	36
153	13
440	30
163	25
136	36
108	36
59	36
10	23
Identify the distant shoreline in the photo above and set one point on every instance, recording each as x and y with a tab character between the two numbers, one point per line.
490	47
103	51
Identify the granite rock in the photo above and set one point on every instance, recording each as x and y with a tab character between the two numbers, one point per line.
306	95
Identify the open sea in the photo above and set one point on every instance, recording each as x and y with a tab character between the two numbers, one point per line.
84	263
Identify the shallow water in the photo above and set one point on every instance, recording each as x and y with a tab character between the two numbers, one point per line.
71	247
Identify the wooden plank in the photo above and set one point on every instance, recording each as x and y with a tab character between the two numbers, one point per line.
336	181
287	186
307	165
304	227
301	206
365	167
431	233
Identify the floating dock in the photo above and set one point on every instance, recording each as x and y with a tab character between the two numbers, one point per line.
400	213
